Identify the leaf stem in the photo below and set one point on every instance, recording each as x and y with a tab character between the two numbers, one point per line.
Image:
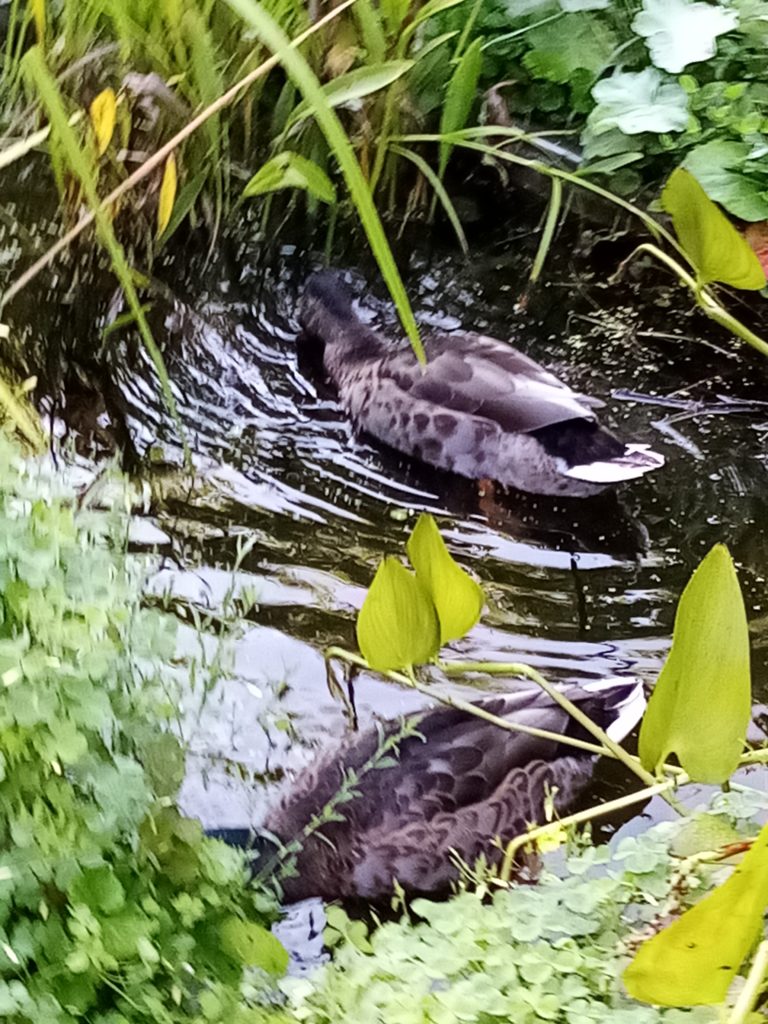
579	817
752	987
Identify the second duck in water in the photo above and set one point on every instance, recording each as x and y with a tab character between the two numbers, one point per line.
478	408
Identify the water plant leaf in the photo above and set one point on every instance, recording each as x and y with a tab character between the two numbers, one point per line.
678	32
167	194
711	242
700	706
397	626
459	97
103	113
457	598
355	85
253	944
695	959
291	170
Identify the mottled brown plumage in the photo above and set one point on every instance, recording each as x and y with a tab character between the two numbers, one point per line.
479	407
458	784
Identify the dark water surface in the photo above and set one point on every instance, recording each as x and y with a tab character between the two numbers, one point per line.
579	589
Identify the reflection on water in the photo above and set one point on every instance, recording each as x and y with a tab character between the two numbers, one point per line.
580	589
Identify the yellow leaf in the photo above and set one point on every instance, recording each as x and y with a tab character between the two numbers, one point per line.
167	195
695	959
103	113
38	13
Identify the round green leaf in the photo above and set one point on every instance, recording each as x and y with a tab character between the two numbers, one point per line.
397	626
457	598
253	945
712	243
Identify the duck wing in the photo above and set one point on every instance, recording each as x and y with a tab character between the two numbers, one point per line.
470	373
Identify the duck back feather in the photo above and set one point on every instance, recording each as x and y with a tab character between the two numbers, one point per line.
479	407
458	784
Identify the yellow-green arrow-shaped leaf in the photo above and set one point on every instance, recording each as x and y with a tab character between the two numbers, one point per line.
397	626
291	170
457	598
711	242
700	707
695	959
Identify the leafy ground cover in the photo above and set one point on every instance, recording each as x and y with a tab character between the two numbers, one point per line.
114	907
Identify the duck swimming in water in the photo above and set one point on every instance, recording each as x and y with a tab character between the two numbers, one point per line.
457	784
478	408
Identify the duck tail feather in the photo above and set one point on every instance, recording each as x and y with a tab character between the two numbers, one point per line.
636	460
624	704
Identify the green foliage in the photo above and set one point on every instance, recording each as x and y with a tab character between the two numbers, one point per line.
700	706
715	248
114	907
290	170
696	958
406	618
551	952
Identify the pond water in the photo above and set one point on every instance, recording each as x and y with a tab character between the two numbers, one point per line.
578	589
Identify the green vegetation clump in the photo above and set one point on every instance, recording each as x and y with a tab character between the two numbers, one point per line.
114	907
553	952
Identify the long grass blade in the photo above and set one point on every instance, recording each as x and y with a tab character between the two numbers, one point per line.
296	66
440	192
548	232
459	97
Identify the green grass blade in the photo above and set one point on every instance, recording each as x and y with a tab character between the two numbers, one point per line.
440	192
459	97
553	212
296	66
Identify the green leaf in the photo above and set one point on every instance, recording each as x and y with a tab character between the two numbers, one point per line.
559	49
355	85
714	246
718	166
459	97
397	626
458	599
636	102
700	707
696	958
290	170
253	945
679	33
99	889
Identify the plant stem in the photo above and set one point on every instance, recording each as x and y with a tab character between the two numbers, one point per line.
752	987
463	705
495	668
516	844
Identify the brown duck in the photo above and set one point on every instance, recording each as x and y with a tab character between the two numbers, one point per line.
457	784
478	408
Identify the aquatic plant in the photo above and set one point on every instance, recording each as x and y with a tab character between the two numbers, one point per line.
553	952
114	907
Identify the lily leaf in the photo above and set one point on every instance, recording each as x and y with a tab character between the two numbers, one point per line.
291	170
457	598
397	626
700	706
695	959
715	247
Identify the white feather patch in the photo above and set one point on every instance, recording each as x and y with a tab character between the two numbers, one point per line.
636	460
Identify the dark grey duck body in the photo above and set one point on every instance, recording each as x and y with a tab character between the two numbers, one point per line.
479	407
457	785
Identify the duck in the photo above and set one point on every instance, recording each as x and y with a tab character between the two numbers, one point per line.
457	785
478	407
